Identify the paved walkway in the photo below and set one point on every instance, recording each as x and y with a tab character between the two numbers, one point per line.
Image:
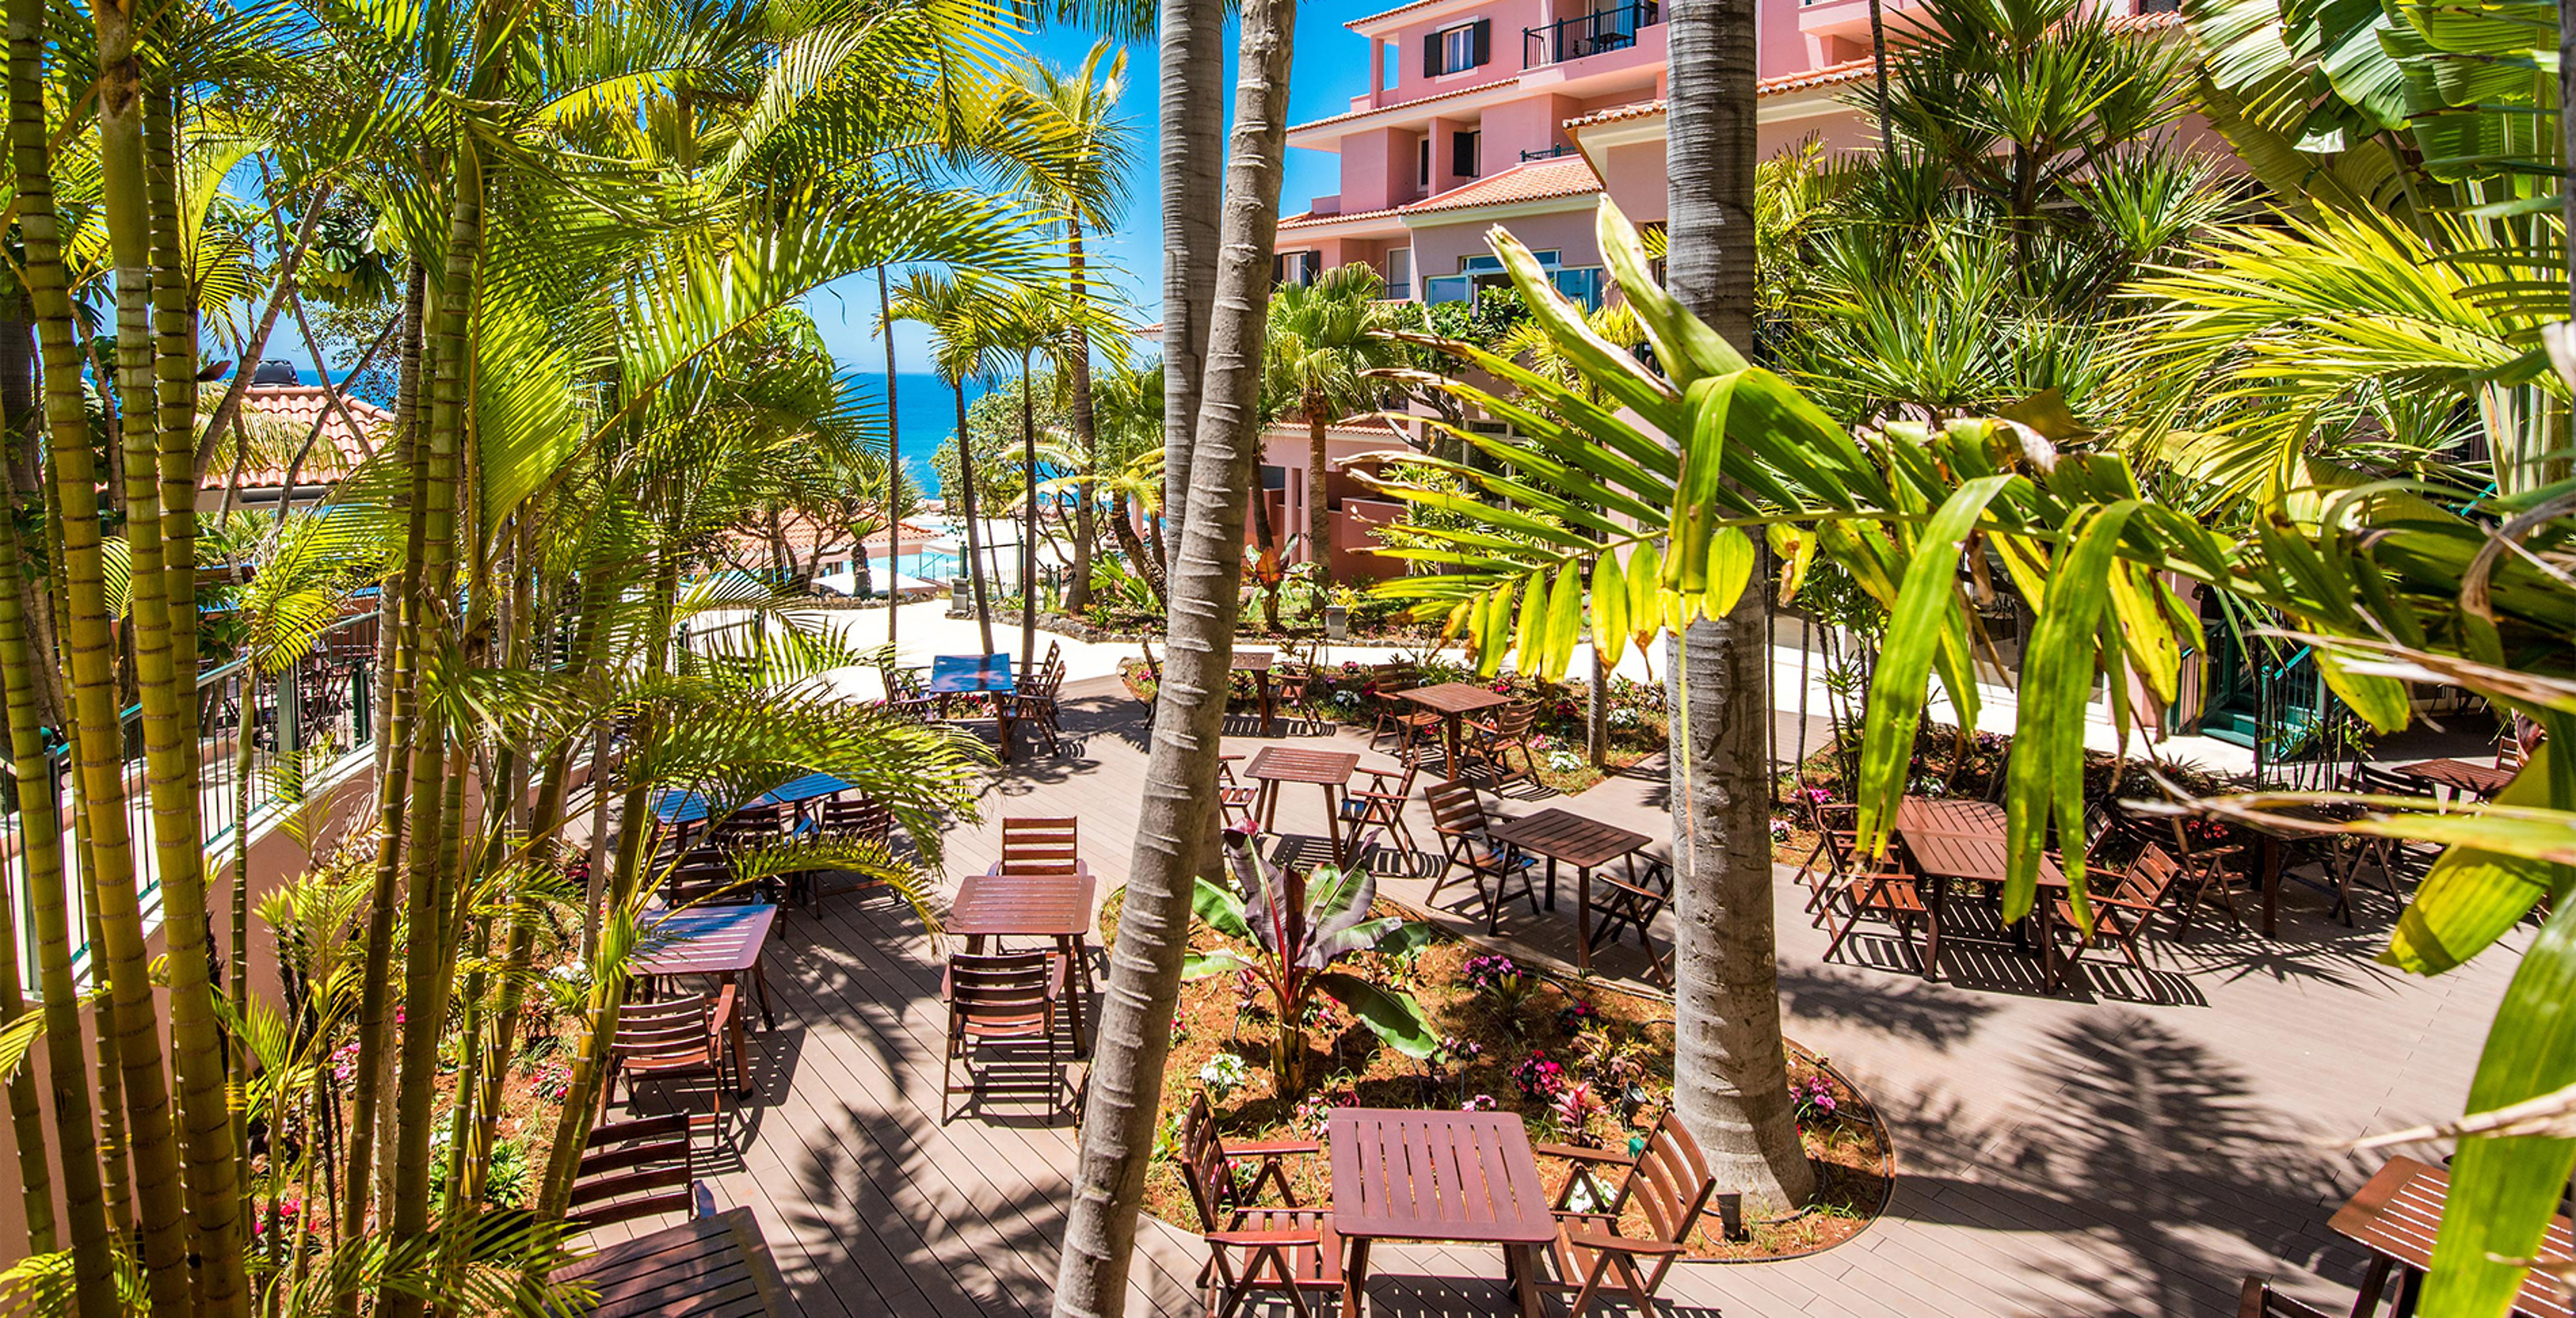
2133	1148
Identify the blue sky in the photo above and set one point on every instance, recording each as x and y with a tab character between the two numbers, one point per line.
1330	68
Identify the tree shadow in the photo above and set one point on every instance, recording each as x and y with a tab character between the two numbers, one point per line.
1914	1010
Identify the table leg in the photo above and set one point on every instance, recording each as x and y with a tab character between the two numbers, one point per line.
741	1040
1551	883
2366	1302
1932	920
2273	855
1524	1266
1078	981
1583	919
1333	821
1453	723
1355	1278
760	982
1268	805
1261	680
2410	1287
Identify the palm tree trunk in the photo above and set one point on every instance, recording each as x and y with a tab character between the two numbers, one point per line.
1029	538
1193	127
206	1202
1878	59
1319	513
974	552
894	479
1175	830
26	1108
1731	1081
1077	592
1122	524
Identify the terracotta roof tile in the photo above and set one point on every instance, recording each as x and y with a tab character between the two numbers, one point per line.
1569	176
1512	81
284	415
1309	219
1847	71
1390	13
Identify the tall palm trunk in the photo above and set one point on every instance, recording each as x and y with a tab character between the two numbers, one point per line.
161	1198
1878	61
426	978
1193	125
1319	512
974	535
1731	1082
1122	524
206	1198
894	480
1175	830
1028	538
1077	593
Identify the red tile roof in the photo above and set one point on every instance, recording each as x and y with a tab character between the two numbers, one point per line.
1512	81
1831	74
1567	176
1390	13
1309	219
282	416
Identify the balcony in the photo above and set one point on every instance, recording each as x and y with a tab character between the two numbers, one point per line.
1551	153
1587	34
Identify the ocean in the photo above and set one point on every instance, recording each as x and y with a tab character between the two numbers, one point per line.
927	407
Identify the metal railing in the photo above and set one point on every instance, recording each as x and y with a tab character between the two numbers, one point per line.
1560	149
305	720
1587	34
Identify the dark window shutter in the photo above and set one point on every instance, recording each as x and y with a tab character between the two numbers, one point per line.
1484	41
1462	154
1426	162
1431	56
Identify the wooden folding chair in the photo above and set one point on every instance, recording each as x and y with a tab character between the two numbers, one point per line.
1392	715
1223	1200
862	820
1625	898
2122	915
2381	853
1496	738
2259	1300
676	1039
706	878
1379	805
1034	844
1235	799
1459	819
1669	1183
1253	1250
1829	863
632	1169
1874	891
1002	999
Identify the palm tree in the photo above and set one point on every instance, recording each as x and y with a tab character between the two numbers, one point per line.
1083	174
963	314
1175	833
1324	339
1731	1082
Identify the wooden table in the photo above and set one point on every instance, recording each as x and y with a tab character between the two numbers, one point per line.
713	1267
1330	770
2395	1217
1584	843
953	675
1257	663
2482	781
1453	702
1002	904
1964	841
724	942
1457	1176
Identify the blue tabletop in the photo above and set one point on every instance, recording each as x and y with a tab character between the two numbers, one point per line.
690	807
958	674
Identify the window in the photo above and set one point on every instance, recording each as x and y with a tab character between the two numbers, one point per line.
1462	154
1584	284
1425	180
1457	49
1296	267
1399	272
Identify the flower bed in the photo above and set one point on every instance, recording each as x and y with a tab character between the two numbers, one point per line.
1590	1066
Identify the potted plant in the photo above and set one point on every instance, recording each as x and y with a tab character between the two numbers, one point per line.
1337	613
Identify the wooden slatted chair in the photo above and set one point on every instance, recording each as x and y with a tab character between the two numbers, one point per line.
840	820
2121	916
1874	892
676	1039
1626	899
1829	864
1287	1250
1458	816
1037	701
2259	1300
1668	1183
1380	805
706	878
1002	999
1223	1199
632	1169
1236	800
2213	873
1035	844
2383	854
1395	716
1497	737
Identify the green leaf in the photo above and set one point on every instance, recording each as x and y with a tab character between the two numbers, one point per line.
2471	896
2504	1188
1645	593
16	1039
1694	511
1494	629
2143	633
1795	547
1684	344
1609	610
1392	1016
1895	709
1220	909
1526	639
2381	701
1200	965
2047	765
1564	620
1730	569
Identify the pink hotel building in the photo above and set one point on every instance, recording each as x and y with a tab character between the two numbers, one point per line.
1522	112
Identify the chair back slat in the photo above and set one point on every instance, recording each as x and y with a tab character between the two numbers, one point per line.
2150	876
648	1031
1671	1181
1040	839
999	985
1455	809
633	1169
1203	1166
864	819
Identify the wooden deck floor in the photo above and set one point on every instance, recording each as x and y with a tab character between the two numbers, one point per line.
2135	1148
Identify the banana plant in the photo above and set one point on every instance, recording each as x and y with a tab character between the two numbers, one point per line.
1298	929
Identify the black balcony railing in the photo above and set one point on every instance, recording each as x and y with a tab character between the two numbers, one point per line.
1560	149
1587	34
